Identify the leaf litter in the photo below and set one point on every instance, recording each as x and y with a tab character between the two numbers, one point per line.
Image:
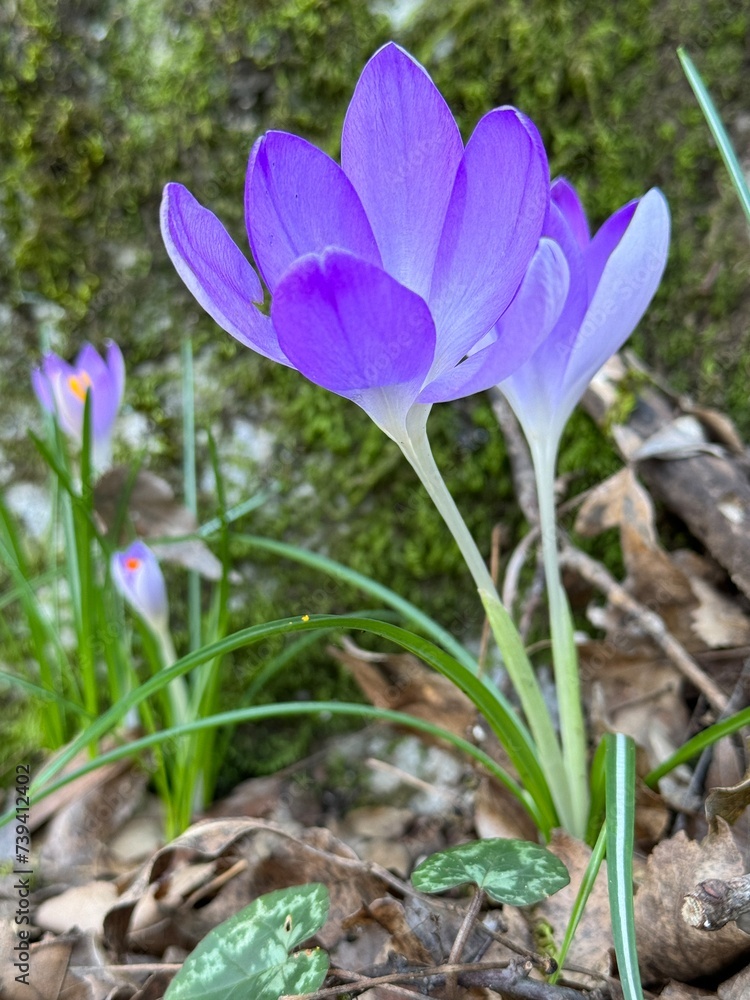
666	657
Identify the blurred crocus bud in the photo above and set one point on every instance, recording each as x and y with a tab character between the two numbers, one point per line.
61	389
137	575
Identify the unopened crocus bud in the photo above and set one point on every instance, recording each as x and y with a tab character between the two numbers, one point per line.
61	389
138	577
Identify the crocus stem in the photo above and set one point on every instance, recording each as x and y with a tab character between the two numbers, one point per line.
188	782
564	655
416	448
177	689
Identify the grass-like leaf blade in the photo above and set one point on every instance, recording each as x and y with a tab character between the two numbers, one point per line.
620	820
717	130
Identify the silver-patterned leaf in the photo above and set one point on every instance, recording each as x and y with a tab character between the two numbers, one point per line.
249	954
510	871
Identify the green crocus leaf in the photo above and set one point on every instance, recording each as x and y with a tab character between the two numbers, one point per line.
510	871
249	954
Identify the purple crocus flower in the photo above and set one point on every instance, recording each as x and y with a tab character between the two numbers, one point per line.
137	576
61	389
385	271
613	277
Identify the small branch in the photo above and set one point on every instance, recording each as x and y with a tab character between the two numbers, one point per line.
713	903
513	984
467	926
651	623
515	564
511	981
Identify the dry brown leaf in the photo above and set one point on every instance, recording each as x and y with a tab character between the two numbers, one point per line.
67	967
617	501
593	940
680	586
652	814
718	621
205	840
728	803
654	579
682	437
720	427
254	797
391	915
83	906
399	681
75	845
180	894
679	991
652	576
728	768
637	694
363	945
318	856
498	813
667	947
736	988
155	513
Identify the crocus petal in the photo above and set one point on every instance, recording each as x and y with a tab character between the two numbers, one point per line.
40	383
299	201
492	228
628	283
90	362
52	384
554	352
524	325
565	197
137	575
68	408
349	326
116	366
608	236
216	271
106	385
401	148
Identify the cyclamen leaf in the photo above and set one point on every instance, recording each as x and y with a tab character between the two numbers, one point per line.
510	871
249	954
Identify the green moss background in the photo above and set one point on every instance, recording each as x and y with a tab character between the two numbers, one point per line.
103	103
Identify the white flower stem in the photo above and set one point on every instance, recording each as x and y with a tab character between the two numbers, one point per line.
177	688
416	448
564	654
190	778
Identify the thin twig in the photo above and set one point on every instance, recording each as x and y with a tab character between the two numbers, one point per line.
411	779
509	979
515	565
651	623
521	467
467	926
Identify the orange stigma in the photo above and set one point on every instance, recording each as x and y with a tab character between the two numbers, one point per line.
78	384
132	563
